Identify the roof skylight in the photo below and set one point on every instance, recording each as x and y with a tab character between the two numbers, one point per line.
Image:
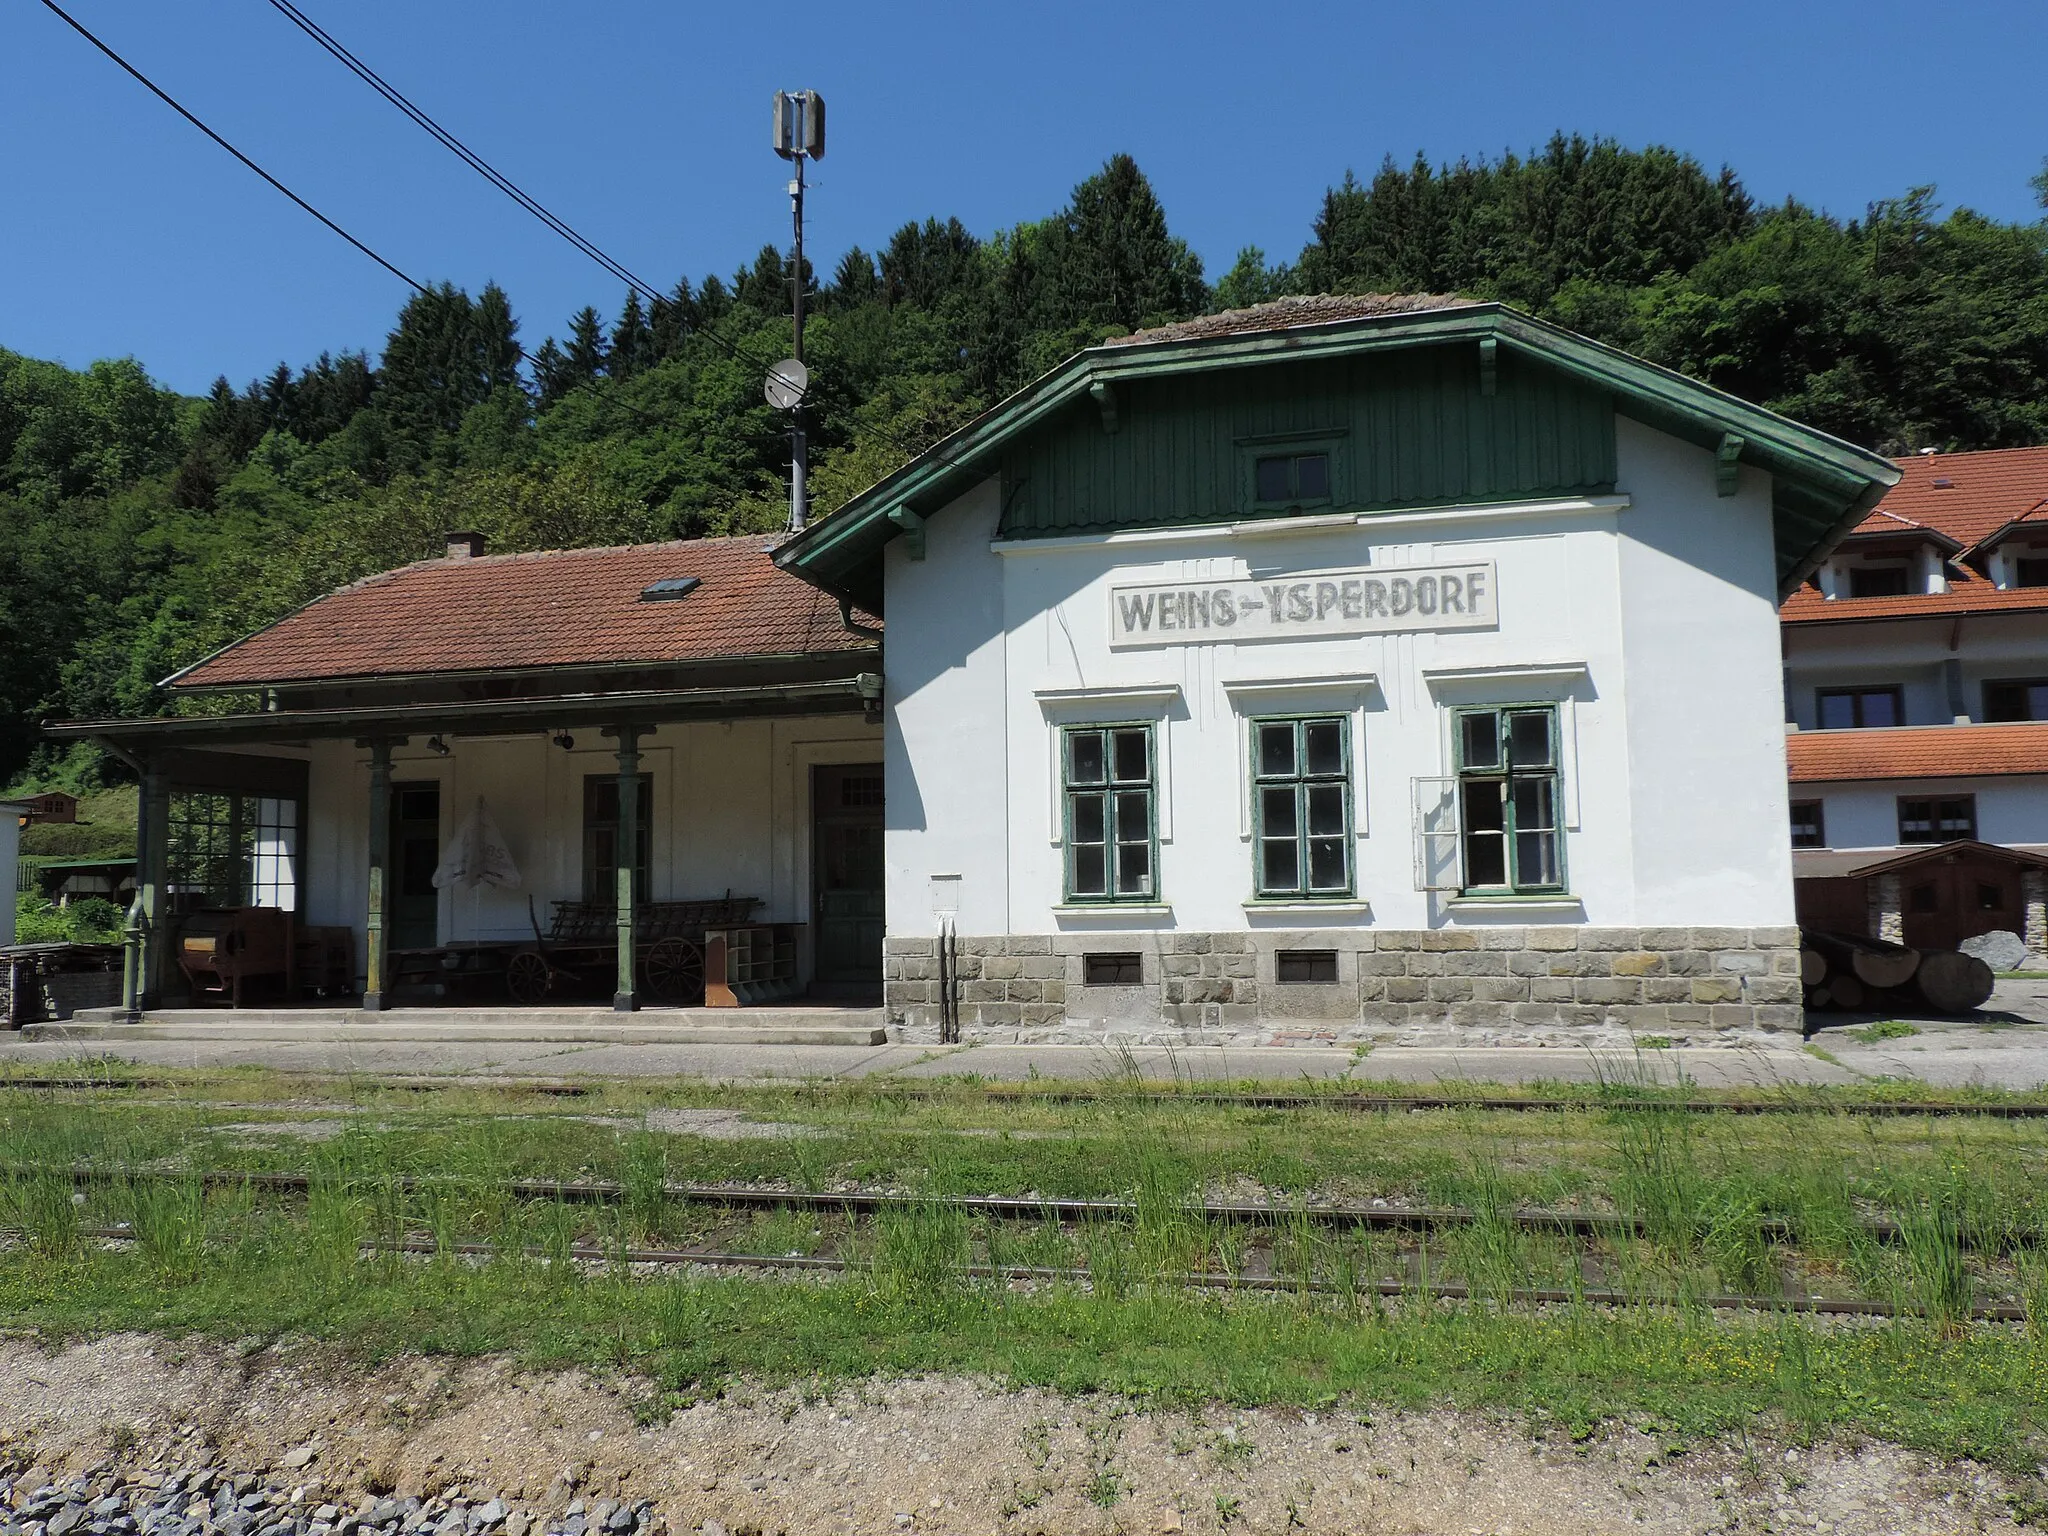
669	589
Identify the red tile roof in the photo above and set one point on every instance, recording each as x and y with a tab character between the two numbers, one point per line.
553	608
1984	492
1917	752
1971	593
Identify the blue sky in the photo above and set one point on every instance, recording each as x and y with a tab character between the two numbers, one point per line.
122	231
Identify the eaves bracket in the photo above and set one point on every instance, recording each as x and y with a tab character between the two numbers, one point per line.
1727	464
1104	396
913	530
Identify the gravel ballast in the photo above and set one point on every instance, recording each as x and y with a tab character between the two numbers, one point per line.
130	1436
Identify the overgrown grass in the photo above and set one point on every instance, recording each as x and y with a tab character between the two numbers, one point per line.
236	1262
1972	1390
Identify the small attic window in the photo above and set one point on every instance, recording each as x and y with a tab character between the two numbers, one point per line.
669	589
1877	581
1944	483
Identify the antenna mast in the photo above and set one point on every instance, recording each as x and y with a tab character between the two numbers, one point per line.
799	136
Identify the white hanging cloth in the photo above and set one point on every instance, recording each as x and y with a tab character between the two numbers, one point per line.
477	855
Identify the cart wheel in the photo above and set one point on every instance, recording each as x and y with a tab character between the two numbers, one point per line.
674	971
528	976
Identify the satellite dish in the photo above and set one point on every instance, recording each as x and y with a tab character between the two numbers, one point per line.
787	381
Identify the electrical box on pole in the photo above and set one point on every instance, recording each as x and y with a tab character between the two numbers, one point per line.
799	136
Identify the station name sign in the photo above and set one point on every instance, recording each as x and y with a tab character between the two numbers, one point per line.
1386	601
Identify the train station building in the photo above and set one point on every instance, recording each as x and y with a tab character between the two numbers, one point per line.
1341	666
1332	668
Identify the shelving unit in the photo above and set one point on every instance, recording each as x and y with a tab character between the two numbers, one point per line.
749	963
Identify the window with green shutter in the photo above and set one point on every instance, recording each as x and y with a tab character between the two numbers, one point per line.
1508	781
1110	785
1301	807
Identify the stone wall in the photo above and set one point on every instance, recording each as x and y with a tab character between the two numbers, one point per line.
1481	985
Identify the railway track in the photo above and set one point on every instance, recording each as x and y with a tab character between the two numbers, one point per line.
1375	1215
1203	1280
1354	1103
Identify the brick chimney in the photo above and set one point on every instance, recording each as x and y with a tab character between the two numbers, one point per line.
464	545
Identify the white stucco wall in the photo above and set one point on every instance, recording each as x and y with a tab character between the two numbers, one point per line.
1653	625
1913	654
731	812
1706	742
1865	814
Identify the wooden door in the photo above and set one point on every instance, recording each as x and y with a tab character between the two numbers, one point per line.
414	921
846	873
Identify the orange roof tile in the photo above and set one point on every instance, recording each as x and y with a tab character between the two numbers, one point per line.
1982	494
1967	593
1917	752
552	608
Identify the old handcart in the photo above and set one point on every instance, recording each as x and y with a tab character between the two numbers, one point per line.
582	943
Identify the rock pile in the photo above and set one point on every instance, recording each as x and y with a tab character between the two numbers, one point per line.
214	1501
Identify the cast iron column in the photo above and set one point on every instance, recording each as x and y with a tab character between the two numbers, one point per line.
153	855
628	854
380	860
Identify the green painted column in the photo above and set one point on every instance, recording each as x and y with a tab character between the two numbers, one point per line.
153	875
375	958
624	999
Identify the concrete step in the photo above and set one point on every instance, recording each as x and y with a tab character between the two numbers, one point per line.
592	1026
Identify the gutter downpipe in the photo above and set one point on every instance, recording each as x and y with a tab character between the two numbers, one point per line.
865	631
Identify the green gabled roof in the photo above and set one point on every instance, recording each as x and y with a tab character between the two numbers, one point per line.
1822	486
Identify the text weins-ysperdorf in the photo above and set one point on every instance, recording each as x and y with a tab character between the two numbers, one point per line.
1390	600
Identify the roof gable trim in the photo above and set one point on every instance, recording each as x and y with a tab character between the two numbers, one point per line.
1839	481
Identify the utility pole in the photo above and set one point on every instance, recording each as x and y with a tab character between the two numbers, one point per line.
799	136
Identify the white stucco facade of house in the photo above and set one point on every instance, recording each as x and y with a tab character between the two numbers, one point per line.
1647	618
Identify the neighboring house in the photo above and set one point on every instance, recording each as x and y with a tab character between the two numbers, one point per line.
67	880
1339	664
1344	663
1916	697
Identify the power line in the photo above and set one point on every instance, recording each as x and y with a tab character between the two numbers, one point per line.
461	150
731	348
493	175
163	96
168	100
532	205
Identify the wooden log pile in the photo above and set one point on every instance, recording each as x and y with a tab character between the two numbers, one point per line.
1852	973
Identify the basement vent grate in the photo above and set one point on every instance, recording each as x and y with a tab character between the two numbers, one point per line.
1313	966
1123	969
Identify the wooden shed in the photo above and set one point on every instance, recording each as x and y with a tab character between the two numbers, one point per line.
1932	897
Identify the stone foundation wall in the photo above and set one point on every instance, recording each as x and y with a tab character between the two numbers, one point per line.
1477	984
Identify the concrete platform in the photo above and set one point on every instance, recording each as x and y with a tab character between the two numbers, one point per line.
794	1025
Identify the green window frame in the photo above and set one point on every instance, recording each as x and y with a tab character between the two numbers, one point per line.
1288	474
1510	779
1110	789
1301	808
